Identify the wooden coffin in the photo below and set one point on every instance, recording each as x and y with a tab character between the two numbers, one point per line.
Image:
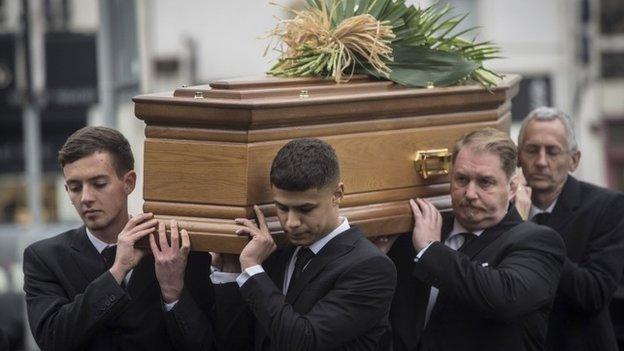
209	148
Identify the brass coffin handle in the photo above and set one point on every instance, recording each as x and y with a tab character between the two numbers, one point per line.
433	162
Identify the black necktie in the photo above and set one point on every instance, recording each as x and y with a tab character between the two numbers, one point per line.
304	255
109	255
541	218
468	237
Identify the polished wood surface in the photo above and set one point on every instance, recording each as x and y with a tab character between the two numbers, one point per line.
209	148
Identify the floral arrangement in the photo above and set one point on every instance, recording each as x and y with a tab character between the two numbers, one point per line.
385	39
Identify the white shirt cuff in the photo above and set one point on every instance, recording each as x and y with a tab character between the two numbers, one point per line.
422	252
170	306
248	273
218	277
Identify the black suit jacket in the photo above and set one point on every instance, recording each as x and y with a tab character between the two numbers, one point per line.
590	220
494	295
74	303
4	341
341	300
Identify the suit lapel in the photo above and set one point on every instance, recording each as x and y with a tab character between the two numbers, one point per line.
91	264
278	275
511	219
568	201
425	289
143	276
334	249
86	257
447	225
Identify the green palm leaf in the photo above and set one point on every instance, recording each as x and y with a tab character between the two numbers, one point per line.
427	48
422	67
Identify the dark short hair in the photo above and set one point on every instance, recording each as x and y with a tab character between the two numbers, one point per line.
493	141
304	164
89	140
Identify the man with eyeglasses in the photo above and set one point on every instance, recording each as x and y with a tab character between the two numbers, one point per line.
590	219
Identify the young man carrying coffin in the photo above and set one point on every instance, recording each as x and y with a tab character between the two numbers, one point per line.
479	279
90	288
331	288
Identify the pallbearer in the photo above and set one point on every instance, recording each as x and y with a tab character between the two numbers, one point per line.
482	278
91	288
331	288
590	221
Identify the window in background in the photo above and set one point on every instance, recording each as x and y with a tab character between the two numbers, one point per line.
535	91
614	128
612	17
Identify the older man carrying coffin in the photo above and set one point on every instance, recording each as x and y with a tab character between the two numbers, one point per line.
480	278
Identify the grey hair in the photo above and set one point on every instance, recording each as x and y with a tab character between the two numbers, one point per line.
550	114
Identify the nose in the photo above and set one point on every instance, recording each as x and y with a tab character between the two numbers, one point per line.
471	191
541	158
87	195
292	221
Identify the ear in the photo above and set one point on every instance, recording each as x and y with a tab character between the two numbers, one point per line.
513	185
338	194
576	158
129	180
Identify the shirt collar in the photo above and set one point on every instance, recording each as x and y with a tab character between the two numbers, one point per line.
536	210
99	244
319	244
458	229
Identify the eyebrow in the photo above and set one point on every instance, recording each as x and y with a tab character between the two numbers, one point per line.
97	177
277	203
487	177
478	176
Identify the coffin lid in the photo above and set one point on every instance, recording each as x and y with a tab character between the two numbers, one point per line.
274	92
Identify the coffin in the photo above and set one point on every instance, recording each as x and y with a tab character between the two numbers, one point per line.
209	148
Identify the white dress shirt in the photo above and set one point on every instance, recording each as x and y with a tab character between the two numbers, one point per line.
536	210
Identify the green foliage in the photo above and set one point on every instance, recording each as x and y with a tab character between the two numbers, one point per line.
427	49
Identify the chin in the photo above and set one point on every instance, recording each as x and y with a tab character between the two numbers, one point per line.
468	215
95	225
539	181
469	221
541	185
300	241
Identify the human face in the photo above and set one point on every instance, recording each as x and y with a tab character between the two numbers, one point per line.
480	190
545	157
307	216
98	194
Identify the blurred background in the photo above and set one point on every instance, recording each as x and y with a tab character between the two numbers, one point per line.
65	64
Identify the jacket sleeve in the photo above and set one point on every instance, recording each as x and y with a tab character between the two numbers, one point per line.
360	297
589	284
524	280
59	322
234	321
190	324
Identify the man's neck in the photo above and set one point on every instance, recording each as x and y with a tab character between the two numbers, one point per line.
320	242
543	200
110	233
